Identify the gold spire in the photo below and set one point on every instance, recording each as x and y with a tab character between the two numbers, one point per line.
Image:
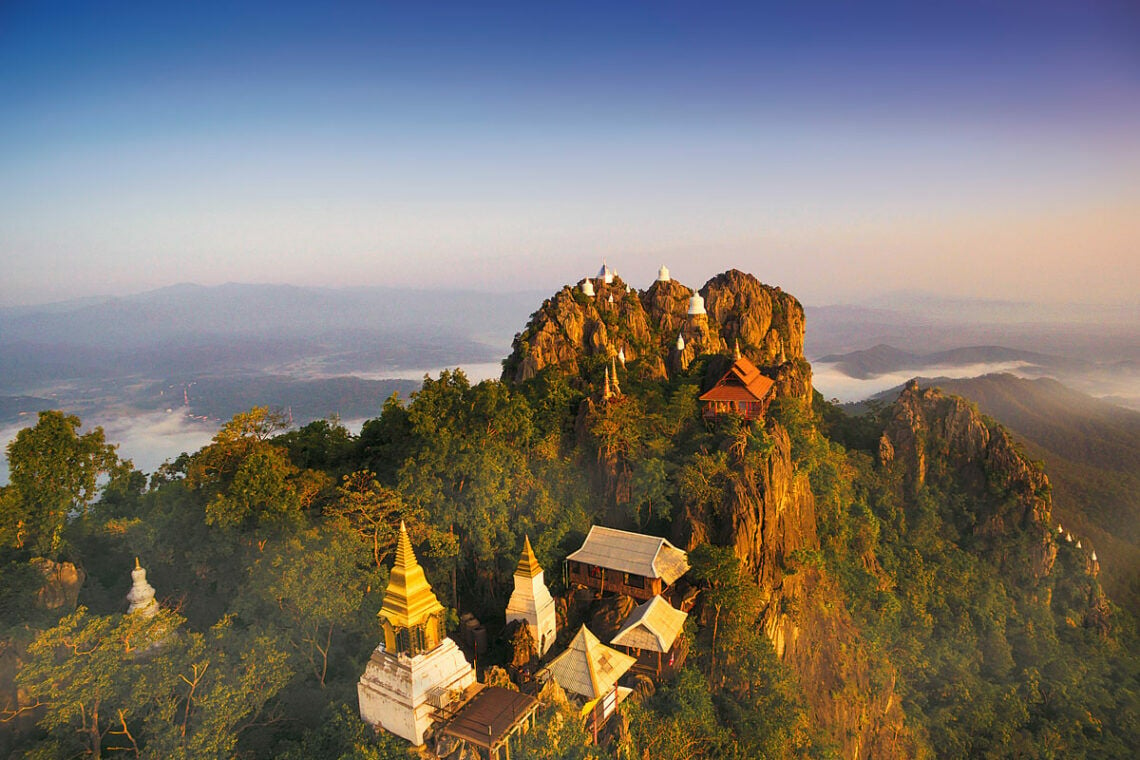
736	350
606	392
408	600
528	566
137	563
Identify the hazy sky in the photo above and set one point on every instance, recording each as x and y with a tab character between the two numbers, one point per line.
988	149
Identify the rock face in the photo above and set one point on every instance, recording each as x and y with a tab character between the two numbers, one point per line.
935	438
767	515
572	328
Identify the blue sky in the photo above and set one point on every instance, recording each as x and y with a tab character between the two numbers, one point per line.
849	149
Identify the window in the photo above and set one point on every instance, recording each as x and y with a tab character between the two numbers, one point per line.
634	581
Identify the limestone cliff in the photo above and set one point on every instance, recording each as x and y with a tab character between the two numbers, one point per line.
767	514
573	328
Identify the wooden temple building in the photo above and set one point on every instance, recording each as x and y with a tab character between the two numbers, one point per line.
744	390
621	562
652	634
589	671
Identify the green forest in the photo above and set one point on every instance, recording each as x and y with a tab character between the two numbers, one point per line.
867	586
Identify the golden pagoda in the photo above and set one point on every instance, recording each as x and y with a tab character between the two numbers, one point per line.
411	615
417	673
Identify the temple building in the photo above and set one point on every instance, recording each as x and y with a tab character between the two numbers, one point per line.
627	563
743	390
652	634
588	671
531	601
416	672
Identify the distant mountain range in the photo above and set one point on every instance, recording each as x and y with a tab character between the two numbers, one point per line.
190	329
882	359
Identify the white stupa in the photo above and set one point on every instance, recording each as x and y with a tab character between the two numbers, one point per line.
610	300
663	274
531	601
605	274
1078	543
1069	537
680	342
141	595
696	305
1093	558
621	355
1060	529
588	288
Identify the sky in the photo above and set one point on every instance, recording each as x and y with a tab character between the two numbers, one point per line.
840	150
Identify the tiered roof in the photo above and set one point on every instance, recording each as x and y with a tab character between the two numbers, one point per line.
742	382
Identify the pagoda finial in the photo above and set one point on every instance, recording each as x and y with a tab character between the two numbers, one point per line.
528	564
137	565
408	599
617	388
606	392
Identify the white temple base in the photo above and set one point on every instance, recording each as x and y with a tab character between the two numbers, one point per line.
401	694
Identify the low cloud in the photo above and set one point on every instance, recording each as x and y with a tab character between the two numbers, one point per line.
147	438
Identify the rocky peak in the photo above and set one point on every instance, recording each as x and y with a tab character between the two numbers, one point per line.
571	327
934	438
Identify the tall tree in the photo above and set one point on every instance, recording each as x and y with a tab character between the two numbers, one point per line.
54	473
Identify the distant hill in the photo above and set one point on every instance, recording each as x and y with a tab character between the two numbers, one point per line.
883	358
1091	450
191	328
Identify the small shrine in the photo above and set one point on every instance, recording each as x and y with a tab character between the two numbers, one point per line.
531	601
589	671
622	562
744	390
416	672
140	598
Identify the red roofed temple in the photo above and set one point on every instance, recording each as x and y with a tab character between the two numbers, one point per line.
743	390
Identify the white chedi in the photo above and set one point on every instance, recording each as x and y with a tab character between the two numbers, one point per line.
1078	543
605	274
696	305
663	274
1093	555
680	342
587	288
141	596
621	355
